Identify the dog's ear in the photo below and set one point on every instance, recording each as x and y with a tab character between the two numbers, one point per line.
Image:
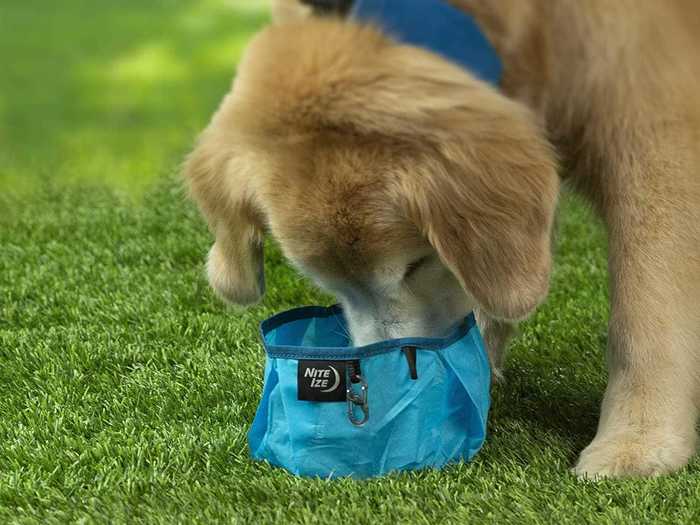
482	183
219	174
484	194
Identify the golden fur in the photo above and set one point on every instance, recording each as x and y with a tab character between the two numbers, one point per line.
371	161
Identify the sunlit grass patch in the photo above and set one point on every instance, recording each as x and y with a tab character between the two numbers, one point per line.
113	94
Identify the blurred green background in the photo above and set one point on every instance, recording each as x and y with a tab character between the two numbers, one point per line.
112	91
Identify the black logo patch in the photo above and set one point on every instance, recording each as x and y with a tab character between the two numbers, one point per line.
321	381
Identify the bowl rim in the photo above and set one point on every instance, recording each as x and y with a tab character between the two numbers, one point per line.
459	331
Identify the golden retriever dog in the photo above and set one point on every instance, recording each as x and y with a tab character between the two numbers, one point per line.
415	192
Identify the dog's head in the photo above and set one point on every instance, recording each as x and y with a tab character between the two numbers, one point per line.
394	179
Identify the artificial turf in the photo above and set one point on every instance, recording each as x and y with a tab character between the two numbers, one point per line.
126	388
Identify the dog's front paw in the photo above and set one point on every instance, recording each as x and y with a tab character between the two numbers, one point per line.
634	455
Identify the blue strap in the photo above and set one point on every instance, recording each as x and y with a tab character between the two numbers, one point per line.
438	27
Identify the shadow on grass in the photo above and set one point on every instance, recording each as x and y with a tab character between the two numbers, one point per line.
568	413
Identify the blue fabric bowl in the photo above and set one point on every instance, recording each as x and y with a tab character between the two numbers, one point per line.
331	410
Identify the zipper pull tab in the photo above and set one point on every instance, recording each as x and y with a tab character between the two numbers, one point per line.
410	353
354	371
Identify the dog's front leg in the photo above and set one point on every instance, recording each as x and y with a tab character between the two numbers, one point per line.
496	336
648	415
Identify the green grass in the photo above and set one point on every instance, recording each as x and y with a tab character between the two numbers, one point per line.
111	91
126	388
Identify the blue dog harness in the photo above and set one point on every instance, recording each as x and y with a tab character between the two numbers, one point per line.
332	410
438	27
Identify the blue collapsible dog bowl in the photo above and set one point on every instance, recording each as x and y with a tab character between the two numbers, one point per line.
329	409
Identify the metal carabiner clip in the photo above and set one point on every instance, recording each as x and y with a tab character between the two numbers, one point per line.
358	400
